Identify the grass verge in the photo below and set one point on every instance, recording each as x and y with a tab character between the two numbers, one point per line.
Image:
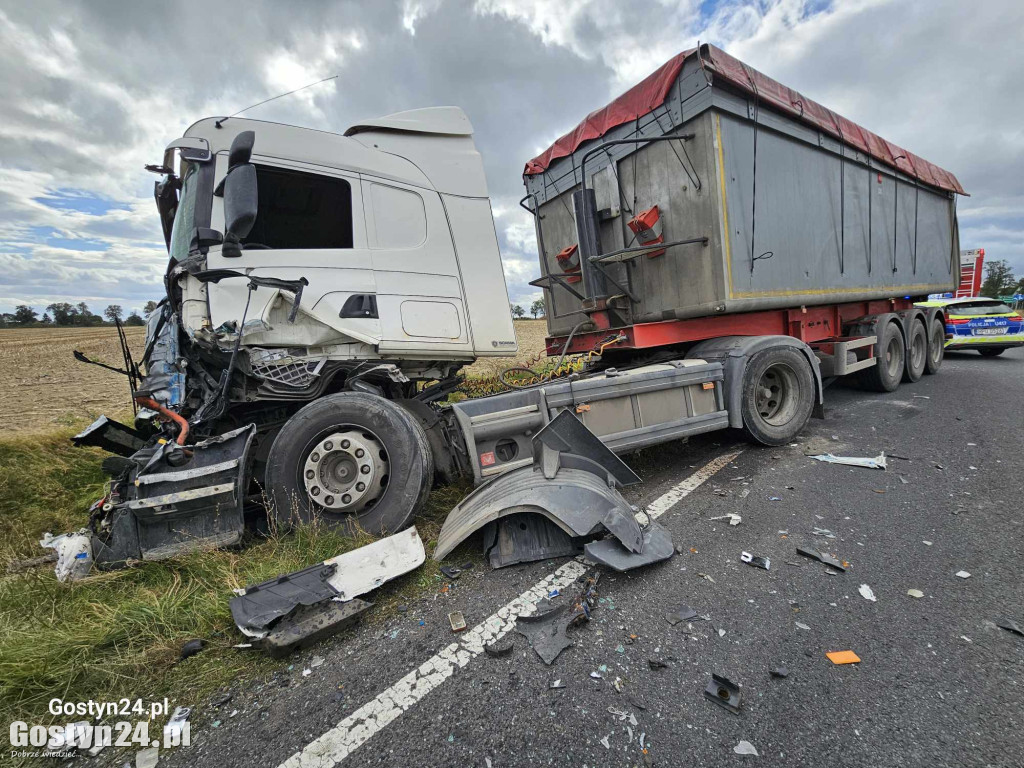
119	633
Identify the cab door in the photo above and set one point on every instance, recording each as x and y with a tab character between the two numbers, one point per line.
309	224
419	289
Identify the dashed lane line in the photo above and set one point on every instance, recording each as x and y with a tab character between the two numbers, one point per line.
359	727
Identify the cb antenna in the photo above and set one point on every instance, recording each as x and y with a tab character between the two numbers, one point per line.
272	98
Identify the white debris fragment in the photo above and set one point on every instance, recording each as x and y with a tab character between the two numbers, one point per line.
915	593
866	593
732	517
963	574
307	672
745	748
604	742
147	758
801	625
74	554
853	461
316	662
927	543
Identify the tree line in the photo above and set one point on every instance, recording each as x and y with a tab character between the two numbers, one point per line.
65	314
537	308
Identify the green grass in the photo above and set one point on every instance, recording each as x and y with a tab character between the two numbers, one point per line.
119	633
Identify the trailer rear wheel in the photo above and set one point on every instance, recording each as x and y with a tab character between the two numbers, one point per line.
917	352
936	345
890	352
778	395
335	460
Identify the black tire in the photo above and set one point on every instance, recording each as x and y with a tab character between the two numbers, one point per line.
890	352
778	395
991	351
916	353
404	456
936	345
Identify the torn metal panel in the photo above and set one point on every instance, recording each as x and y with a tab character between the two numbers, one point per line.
312	623
110	435
579	502
361	570
524	538
657	546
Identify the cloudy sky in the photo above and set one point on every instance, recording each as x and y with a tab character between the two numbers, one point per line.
93	90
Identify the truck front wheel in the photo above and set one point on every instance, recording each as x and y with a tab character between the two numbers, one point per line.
351	459
778	395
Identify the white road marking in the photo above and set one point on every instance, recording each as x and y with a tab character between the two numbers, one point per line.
677	493
356	729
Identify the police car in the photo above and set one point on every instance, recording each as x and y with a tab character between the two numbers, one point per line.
987	325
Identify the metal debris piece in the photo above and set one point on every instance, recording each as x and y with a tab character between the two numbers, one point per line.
547	632
843	657
723	692
557	684
866	593
915	593
657	546
732	517
853	461
745	748
780	672
823	532
756	561
1010	626
457	620
963	574
682	613
450	571
497	649
821	557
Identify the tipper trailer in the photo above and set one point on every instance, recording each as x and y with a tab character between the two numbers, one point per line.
718	244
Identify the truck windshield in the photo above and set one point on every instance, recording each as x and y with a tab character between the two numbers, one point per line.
184	217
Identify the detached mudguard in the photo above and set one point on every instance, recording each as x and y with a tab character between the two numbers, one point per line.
170	509
579	502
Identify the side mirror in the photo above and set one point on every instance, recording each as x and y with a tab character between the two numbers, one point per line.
241	198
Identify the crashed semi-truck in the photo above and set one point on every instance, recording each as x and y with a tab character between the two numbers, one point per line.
717	246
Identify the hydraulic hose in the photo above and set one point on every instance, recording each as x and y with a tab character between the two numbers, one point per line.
181	421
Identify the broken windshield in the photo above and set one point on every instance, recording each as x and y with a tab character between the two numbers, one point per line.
184	217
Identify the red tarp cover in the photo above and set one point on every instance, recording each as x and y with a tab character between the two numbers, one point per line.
652	91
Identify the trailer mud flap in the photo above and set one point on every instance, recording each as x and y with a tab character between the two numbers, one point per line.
177	509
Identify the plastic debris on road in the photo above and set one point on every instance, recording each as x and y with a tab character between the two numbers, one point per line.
821	557
458	621
1010	626
74	554
756	561
605	743
745	748
801	625
853	461
683	613
780	672
963	574
867	593
843	657
915	593
732	517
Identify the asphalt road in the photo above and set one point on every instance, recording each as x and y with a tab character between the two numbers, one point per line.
938	683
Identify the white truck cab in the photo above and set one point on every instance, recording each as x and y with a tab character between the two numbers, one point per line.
390	225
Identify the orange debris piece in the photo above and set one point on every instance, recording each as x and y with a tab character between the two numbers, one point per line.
843	657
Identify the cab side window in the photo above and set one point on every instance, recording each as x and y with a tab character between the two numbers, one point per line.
301	211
